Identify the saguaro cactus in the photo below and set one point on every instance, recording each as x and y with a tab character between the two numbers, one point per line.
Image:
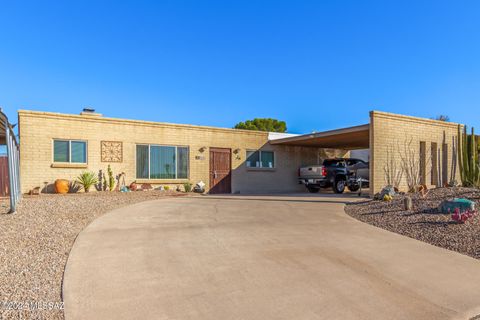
468	158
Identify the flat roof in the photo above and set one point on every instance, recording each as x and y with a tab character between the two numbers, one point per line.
357	137
96	117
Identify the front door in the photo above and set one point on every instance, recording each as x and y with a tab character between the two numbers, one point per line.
220	170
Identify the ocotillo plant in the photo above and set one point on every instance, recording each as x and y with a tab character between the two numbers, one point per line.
468	158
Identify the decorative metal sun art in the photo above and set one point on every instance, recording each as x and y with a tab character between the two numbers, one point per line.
112	151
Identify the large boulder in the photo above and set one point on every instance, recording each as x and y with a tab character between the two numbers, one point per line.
388	190
449	206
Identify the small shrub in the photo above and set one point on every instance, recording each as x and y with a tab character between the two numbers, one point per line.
187	187
104	183
86	180
166	188
73	187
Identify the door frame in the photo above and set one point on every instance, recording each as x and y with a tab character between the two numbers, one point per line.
210	163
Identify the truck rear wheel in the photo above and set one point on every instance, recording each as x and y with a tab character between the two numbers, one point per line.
354	188
339	185
313	189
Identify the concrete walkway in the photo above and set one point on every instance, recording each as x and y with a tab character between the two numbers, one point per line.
260	258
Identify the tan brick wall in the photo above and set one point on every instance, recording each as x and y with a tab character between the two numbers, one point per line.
38	129
393	131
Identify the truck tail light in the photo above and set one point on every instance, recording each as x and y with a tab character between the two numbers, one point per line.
324	171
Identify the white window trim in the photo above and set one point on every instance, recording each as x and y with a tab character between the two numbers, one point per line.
149	145
70	150
260	159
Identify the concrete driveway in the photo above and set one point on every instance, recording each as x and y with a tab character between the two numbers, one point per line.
260	258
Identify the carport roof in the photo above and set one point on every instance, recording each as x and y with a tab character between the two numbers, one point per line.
357	137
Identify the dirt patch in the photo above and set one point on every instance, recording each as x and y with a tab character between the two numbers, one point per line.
424	222
35	243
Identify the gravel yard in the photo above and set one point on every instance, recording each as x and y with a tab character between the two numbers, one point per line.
35	243
424	222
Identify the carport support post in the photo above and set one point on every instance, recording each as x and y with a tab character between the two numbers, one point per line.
12	168
371	142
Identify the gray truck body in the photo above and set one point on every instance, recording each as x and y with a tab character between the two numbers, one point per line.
335	173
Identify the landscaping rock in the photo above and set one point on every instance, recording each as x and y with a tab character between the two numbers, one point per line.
387	191
407	203
133	186
423	222
147	186
449	206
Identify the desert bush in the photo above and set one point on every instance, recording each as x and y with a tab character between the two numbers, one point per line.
187	187
73	187
410	162
393	170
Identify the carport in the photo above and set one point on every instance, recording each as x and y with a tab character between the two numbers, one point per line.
351	138
429	143
9	165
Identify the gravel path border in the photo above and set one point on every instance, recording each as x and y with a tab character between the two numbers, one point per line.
424	222
35	243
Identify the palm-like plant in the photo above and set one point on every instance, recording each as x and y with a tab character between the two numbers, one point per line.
87	179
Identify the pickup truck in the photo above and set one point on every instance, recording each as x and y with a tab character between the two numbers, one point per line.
338	174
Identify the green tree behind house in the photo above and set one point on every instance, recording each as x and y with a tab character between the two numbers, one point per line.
442	117
263	124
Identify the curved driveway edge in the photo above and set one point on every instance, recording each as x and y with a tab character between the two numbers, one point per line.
262	258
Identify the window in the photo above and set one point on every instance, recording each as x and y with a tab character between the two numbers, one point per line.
260	159
73	151
162	162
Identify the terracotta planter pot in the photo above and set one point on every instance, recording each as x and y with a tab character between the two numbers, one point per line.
62	186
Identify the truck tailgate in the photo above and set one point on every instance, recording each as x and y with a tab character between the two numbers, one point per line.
311	172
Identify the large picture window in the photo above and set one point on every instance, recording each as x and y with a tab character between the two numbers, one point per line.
162	162
70	151
260	159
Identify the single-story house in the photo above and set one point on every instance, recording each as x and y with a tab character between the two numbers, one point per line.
61	146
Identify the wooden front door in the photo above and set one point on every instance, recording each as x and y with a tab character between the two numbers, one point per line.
220	170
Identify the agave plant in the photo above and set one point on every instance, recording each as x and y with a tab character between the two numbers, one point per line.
87	179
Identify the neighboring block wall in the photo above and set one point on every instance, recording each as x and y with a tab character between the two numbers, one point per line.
433	142
38	129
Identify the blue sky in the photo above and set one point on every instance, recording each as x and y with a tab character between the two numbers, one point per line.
315	64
